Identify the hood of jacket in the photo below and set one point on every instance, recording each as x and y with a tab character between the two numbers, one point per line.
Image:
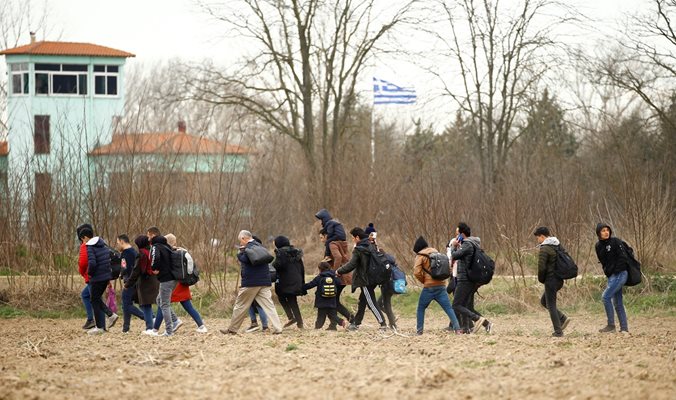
363	245
420	244
96	242
427	251
474	240
551	240
323	215
289	252
600	226
159	240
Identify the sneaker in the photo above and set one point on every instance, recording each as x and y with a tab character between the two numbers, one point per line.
276	332
166	334
489	327
149	332
177	325
332	328
383	328
419	333
608	328
565	324
624	331
352	327
110	321
265	329
95	331
289	323
252	328
343	324
227	332
89	324
557	334
478	324
202	329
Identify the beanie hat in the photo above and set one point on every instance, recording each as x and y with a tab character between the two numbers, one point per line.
370	229
420	244
282	241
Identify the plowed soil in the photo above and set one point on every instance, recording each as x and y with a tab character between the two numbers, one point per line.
55	359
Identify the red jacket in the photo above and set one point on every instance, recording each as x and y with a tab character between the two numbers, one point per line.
181	293
82	262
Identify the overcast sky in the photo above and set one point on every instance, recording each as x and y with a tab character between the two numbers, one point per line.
157	30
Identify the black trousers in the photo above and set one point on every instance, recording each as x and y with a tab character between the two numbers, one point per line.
340	308
322	313
548	300
463	303
289	303
367	298
97	289
385	303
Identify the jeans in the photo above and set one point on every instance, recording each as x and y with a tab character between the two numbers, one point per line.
87	301
438	294
148	315
322	313
159	318
255	308
128	307
164	303
188	307
97	289
613	296
548	300
289	303
368	298
462	299
385	303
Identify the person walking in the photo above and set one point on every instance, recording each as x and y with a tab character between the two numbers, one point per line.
548	245
336	240
100	274
160	261
290	279
613	257
129	256
145	279
433	289
255	285
325	297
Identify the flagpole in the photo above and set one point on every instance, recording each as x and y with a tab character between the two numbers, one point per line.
373	136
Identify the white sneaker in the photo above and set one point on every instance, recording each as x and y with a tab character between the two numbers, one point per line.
95	331
149	332
110	321
165	334
202	329
177	325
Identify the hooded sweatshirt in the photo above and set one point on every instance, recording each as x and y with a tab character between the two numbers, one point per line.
98	260
334	229
464	255
610	252
359	263
160	259
547	259
290	269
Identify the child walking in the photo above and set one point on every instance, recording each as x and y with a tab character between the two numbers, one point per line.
325	296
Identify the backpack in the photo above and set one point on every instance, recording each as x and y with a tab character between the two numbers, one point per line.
327	287
115	262
565	267
634	266
378	271
440	266
481	270
183	267
397	279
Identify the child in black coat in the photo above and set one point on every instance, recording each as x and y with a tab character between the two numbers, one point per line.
325	296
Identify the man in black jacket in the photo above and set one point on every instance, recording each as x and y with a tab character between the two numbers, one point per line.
361	257
613	257
160	260
546	275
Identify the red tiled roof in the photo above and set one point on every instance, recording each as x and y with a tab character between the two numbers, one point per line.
165	143
4	149
67	49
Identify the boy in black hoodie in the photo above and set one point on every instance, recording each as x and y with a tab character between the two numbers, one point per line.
325	296
613	257
160	260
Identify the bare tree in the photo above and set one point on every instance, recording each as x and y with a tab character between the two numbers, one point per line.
301	77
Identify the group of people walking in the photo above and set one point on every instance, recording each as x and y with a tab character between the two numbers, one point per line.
148	280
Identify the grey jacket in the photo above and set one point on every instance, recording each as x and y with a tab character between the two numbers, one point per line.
464	255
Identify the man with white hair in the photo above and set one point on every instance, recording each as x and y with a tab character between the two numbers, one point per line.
255	285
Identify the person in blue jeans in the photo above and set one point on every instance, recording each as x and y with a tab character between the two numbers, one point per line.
615	262
129	255
253	310
434	289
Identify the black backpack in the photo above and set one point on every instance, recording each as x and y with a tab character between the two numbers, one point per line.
481	270
565	267
327	287
115	262
183	267
378	271
634	267
440	266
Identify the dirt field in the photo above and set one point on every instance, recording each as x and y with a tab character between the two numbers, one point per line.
54	359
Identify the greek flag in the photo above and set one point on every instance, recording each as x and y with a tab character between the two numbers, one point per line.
385	92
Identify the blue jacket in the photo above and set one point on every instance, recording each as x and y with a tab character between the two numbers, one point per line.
129	259
98	260
334	229
253	276
320	301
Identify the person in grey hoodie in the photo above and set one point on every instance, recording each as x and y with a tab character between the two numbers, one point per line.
464	250
546	264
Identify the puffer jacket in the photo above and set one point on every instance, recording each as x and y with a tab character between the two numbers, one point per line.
422	264
98	260
547	260
290	270
359	263
464	255
334	229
